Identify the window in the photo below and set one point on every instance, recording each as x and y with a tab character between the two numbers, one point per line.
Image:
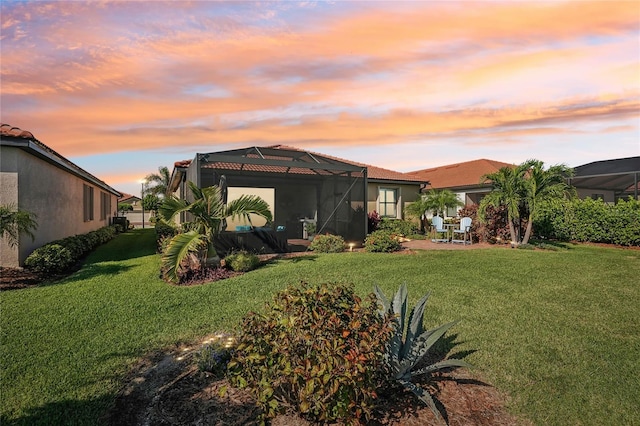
387	202
87	202
105	205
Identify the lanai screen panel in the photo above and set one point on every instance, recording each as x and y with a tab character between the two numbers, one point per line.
307	186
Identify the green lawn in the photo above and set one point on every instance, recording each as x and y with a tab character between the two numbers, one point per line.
559	332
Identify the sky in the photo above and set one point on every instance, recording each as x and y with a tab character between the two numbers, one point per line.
124	87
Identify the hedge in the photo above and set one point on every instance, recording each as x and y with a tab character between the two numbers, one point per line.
590	220
57	256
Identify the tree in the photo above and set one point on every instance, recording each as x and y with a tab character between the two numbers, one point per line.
439	200
208	212
521	190
124	207
14	222
161	181
151	203
544	186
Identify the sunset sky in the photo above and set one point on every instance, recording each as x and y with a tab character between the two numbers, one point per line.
121	88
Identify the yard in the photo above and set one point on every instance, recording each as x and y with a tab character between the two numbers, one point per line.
556	331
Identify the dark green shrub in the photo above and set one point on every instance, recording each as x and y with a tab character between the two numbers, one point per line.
74	244
49	258
381	242
164	232
398	226
589	220
317	350
327	243
242	261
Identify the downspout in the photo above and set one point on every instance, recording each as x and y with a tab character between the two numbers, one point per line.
366	201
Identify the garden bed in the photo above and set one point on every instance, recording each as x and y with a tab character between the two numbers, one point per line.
166	388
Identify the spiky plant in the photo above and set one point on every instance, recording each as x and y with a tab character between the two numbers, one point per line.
411	343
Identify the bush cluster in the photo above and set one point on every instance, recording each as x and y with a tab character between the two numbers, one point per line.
57	256
327	243
316	349
164	232
381	242
496	225
398	226
242	261
589	220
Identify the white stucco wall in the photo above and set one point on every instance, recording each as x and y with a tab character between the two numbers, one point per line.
53	194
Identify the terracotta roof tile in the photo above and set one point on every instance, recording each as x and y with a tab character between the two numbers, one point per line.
457	175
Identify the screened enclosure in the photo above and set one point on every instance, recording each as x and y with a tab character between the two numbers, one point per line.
300	187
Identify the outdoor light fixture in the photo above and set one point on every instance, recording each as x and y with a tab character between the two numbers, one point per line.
351	245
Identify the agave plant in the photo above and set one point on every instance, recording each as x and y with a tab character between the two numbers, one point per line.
410	344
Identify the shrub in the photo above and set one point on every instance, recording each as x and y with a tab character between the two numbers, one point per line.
398	226
242	261
373	220
316	349
327	243
381	242
50	258
590	220
164	232
71	250
406	355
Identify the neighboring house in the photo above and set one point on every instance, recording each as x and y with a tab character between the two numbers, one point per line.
129	199
66	199
464	179
608	179
302	186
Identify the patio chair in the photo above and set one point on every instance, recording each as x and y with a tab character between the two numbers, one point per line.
437	228
464	230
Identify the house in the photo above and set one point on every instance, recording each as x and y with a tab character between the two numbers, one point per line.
464	179
610	180
301	187
66	199
129	199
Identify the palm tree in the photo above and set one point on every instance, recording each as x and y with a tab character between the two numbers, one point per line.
14	222
440	201
521	190
508	191
208	212
161	181
544	186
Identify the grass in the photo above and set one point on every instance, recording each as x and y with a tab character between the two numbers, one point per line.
558	331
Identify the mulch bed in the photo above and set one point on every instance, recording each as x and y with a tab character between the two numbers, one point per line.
167	389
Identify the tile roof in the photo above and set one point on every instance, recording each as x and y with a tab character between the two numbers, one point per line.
457	175
25	140
126	196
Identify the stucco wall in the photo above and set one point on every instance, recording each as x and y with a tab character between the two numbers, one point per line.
54	195
407	194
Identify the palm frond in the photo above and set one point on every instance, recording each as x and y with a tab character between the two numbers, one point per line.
178	249
246	205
